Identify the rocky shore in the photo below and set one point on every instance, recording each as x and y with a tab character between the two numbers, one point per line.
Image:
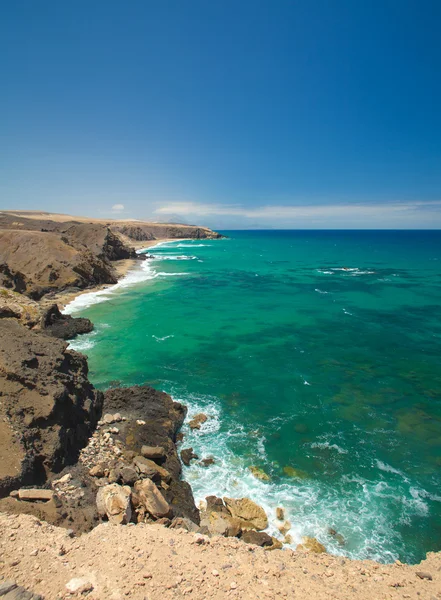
91	496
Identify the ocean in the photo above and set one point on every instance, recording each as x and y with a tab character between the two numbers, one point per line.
316	356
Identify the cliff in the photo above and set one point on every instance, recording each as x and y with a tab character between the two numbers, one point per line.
48	408
42	253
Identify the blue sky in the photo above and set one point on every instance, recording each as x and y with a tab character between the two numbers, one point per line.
301	113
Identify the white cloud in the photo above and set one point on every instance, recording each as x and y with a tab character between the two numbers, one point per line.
118	207
339	215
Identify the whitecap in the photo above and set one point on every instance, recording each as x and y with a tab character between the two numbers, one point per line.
162	339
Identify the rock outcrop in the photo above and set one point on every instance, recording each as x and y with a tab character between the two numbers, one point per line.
65	327
48	408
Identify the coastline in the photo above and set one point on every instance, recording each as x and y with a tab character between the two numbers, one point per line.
123	268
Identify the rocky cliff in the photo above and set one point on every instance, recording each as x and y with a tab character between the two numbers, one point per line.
48	407
45	253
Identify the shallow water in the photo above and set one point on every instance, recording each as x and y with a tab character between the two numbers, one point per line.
316	351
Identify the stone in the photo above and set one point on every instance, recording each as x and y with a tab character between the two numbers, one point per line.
197	421
222	524
280	514
14	494
215	504
259	473
140	422
128	475
276	544
288	539
65	327
284	528
206	462
150	469
153	452
248	512
184	523
35	494
79	585
258	538
97	471
65	479
117	417
312	545
151	498
297	473
108	419
187	455
113	501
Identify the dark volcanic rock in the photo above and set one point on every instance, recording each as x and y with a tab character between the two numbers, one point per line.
187	455
48	408
162	418
65	327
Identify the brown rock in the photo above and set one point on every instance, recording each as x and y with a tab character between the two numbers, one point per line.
113	501
206	462
197	421
151	498
284	528
187	455
276	544
280	514
35	494
48	408
97	471
312	545
248	512
258	538
150	469
153	452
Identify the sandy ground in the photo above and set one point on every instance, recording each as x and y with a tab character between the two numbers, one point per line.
152	562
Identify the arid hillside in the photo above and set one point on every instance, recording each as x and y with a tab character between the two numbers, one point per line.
42	253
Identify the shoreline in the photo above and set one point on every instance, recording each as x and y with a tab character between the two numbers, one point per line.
123	268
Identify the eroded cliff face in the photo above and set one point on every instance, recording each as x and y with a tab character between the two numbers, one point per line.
48	408
43	255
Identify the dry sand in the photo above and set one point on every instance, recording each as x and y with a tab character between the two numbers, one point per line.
152	562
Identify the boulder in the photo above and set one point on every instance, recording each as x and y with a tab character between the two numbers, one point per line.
259	473
311	545
251	515
188	455
163	418
221	524
215	504
284	528
65	327
258	538
184	523
35	494
276	544
113	502
128	475
206	462
280	514
153	452
197	421
150	498
150	469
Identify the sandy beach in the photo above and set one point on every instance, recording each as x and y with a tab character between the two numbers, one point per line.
122	268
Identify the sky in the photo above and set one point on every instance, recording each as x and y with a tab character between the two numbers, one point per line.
225	113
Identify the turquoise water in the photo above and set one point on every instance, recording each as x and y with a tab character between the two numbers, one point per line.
313	351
